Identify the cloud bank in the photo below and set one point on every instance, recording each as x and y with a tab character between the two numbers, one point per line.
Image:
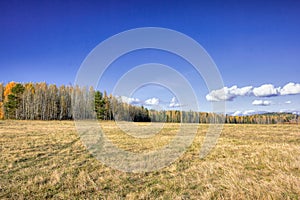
266	90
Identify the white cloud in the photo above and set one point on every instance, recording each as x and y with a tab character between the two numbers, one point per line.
243	113
247	112
228	94
219	95
290	88
174	103
152	101
241	91
288	102
237	113
266	90
261	103
295	112
129	100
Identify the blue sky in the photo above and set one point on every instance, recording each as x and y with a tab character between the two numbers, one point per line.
253	43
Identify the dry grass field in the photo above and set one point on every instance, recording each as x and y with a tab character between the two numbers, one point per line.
46	159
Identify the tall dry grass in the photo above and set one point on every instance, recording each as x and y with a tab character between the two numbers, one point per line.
40	159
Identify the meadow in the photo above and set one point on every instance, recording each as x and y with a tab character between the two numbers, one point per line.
46	159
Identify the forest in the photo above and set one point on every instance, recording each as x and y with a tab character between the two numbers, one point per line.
42	101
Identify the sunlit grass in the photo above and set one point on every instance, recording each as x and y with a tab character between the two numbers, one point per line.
40	159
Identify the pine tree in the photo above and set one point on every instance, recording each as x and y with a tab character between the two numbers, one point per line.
12	105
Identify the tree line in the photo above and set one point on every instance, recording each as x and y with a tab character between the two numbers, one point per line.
40	101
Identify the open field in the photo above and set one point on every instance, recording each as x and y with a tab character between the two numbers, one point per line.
46	159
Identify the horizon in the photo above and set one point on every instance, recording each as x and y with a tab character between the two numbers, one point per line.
138	104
